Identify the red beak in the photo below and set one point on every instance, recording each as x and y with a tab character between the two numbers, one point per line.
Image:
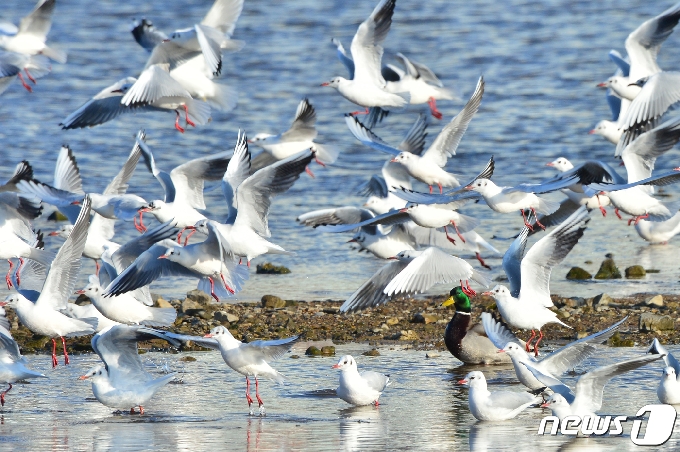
163	256
462	382
544	405
676	169
501	351
53	233
80	292
602	85
3	303
469	187
75	203
488	293
394	160
325	84
83	377
352	241
208	335
592	132
335	366
549	164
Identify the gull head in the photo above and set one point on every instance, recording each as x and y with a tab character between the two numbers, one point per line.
513	350
474	379
499	292
459	298
334	82
12	300
95	374
408	255
62	232
403	158
220	333
360	237
555	402
171	254
346	363
617	81
481	186
153	206
259	138
93	289
561	164
668	374
376	205
201	226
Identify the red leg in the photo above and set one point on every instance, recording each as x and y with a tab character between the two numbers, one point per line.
448	237
231	291
186	240
641	217
8	279
139	226
30	77
97	267
248	263
376	403
177	126
441	190
430	188
186	116
604	212
526	346
537	222
21	264
536	344
141	409
457	231
257	394
23	82
319	161
526	223
467	289
433	108
308	171
55	363
63	343
212	289
248	398
354	113
616	211
481	261
2	395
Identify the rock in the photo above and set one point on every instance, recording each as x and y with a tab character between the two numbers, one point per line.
187	359
272	302
430	355
608	270
581	334
578	273
602	300
652	270
205	315
373	352
331	310
424	318
408	335
224	316
616	341
190	307
57	216
294	356
635	271
573	302
270	269
313	351
199	296
655	301
328	350
655	322
161	303
392	321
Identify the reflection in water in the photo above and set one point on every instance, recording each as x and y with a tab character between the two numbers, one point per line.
361	427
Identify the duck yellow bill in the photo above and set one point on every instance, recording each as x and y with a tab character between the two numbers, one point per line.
449	301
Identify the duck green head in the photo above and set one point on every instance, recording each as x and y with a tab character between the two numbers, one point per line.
459	298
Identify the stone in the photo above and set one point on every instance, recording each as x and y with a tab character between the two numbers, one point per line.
573	302
224	316
272	302
205	315
313	351
294	356
617	341
270	269
161	303
331	310
655	301
373	352
408	335
199	296
655	322
578	273
424	318
187	359
57	216
392	321
608	269
189	306
635	271
328	350
602	300
430	355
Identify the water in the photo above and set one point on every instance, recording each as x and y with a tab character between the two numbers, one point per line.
424	408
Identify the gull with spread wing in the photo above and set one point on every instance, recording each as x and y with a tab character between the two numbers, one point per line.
12	364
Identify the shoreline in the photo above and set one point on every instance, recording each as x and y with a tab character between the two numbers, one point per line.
417	322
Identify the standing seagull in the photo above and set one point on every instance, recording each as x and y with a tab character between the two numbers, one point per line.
122	382
359	388
494	406
250	359
12	365
367	87
45	316
669	386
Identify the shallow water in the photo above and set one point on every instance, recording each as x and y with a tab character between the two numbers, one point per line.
540	61
422	409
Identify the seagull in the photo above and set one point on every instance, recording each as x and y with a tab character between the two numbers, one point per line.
412	272
669	386
113	203
299	137
420	82
610	129
359	388
249	197
427	168
589	387
44	316
12	64
122	382
555	363
526	304
368	87
31	35
640	155
659	231
90	311
470	344
183	186
494	406
12	364
250	359
125	308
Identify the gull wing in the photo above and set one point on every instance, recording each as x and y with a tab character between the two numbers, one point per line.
367	137
366	45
